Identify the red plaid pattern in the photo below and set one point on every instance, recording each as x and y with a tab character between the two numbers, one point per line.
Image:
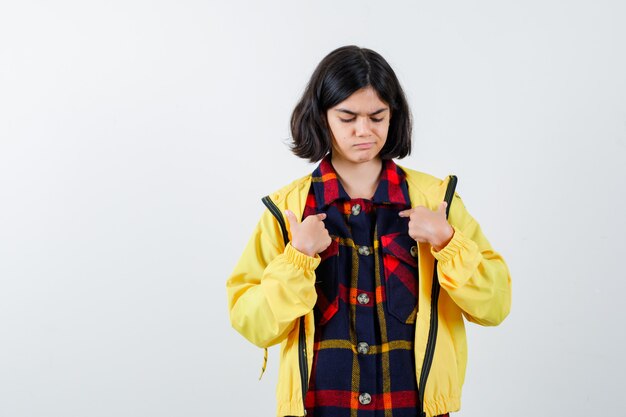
363	362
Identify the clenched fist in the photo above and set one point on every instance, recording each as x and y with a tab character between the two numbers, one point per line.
429	226
309	237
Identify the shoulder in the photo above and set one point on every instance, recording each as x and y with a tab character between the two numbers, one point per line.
429	190
294	190
426	184
293	197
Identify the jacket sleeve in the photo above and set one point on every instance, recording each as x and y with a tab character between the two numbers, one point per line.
271	286
472	273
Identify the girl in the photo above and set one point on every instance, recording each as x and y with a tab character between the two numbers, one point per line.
349	284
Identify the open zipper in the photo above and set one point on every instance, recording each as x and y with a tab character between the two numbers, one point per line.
304	368
434	308
302	360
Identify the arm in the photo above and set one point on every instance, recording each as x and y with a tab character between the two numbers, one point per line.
472	273
271	286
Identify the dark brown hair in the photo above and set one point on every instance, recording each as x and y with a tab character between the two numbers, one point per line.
341	73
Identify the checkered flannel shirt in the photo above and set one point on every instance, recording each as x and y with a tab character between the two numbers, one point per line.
363	362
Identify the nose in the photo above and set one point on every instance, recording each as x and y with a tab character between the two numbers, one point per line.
363	127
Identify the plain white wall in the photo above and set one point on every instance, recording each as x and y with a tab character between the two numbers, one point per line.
137	138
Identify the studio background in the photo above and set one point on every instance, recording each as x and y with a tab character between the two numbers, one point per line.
137	139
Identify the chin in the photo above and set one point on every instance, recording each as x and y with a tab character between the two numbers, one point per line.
358	156
364	157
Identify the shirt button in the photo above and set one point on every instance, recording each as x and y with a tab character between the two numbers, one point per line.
356	209
365	398
362	348
364	250
363	298
414	251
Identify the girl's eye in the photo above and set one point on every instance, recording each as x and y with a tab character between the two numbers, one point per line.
373	119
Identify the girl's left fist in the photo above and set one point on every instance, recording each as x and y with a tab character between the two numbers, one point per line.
429	226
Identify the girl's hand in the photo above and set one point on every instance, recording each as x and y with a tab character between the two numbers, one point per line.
429	226
309	237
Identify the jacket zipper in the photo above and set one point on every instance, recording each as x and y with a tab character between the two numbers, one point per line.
434	309
432	339
302	360
279	216
304	368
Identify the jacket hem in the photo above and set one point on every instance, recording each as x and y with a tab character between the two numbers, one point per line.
442	406
289	408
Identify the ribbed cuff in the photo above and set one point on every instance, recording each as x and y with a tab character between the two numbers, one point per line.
458	242
301	260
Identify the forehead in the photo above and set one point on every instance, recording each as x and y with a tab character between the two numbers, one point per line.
364	100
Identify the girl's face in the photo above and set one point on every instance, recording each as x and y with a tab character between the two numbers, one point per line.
359	126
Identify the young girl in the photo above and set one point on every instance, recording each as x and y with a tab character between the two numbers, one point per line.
349	284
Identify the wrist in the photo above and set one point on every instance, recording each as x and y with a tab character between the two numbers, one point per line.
300	259
443	237
302	248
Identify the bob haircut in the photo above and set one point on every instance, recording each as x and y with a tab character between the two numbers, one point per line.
341	73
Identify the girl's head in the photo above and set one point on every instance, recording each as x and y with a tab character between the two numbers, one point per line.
353	106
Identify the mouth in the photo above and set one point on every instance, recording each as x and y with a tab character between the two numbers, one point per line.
365	145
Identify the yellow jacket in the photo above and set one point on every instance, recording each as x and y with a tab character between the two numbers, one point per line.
273	285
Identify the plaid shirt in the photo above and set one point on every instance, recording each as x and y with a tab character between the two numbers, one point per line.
363	362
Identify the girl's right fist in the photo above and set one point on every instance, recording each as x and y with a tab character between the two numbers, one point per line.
309	237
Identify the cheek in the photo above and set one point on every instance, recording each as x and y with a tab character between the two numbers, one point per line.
335	130
340	133
382	131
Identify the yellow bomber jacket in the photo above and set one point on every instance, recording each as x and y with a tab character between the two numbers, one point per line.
273	285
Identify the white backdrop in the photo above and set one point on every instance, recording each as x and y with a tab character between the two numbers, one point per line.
137	138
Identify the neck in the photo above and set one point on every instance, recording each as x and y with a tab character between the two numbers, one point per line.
359	180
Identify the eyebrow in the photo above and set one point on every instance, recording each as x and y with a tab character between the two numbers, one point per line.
356	114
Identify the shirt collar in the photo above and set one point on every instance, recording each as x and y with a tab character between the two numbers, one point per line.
391	189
